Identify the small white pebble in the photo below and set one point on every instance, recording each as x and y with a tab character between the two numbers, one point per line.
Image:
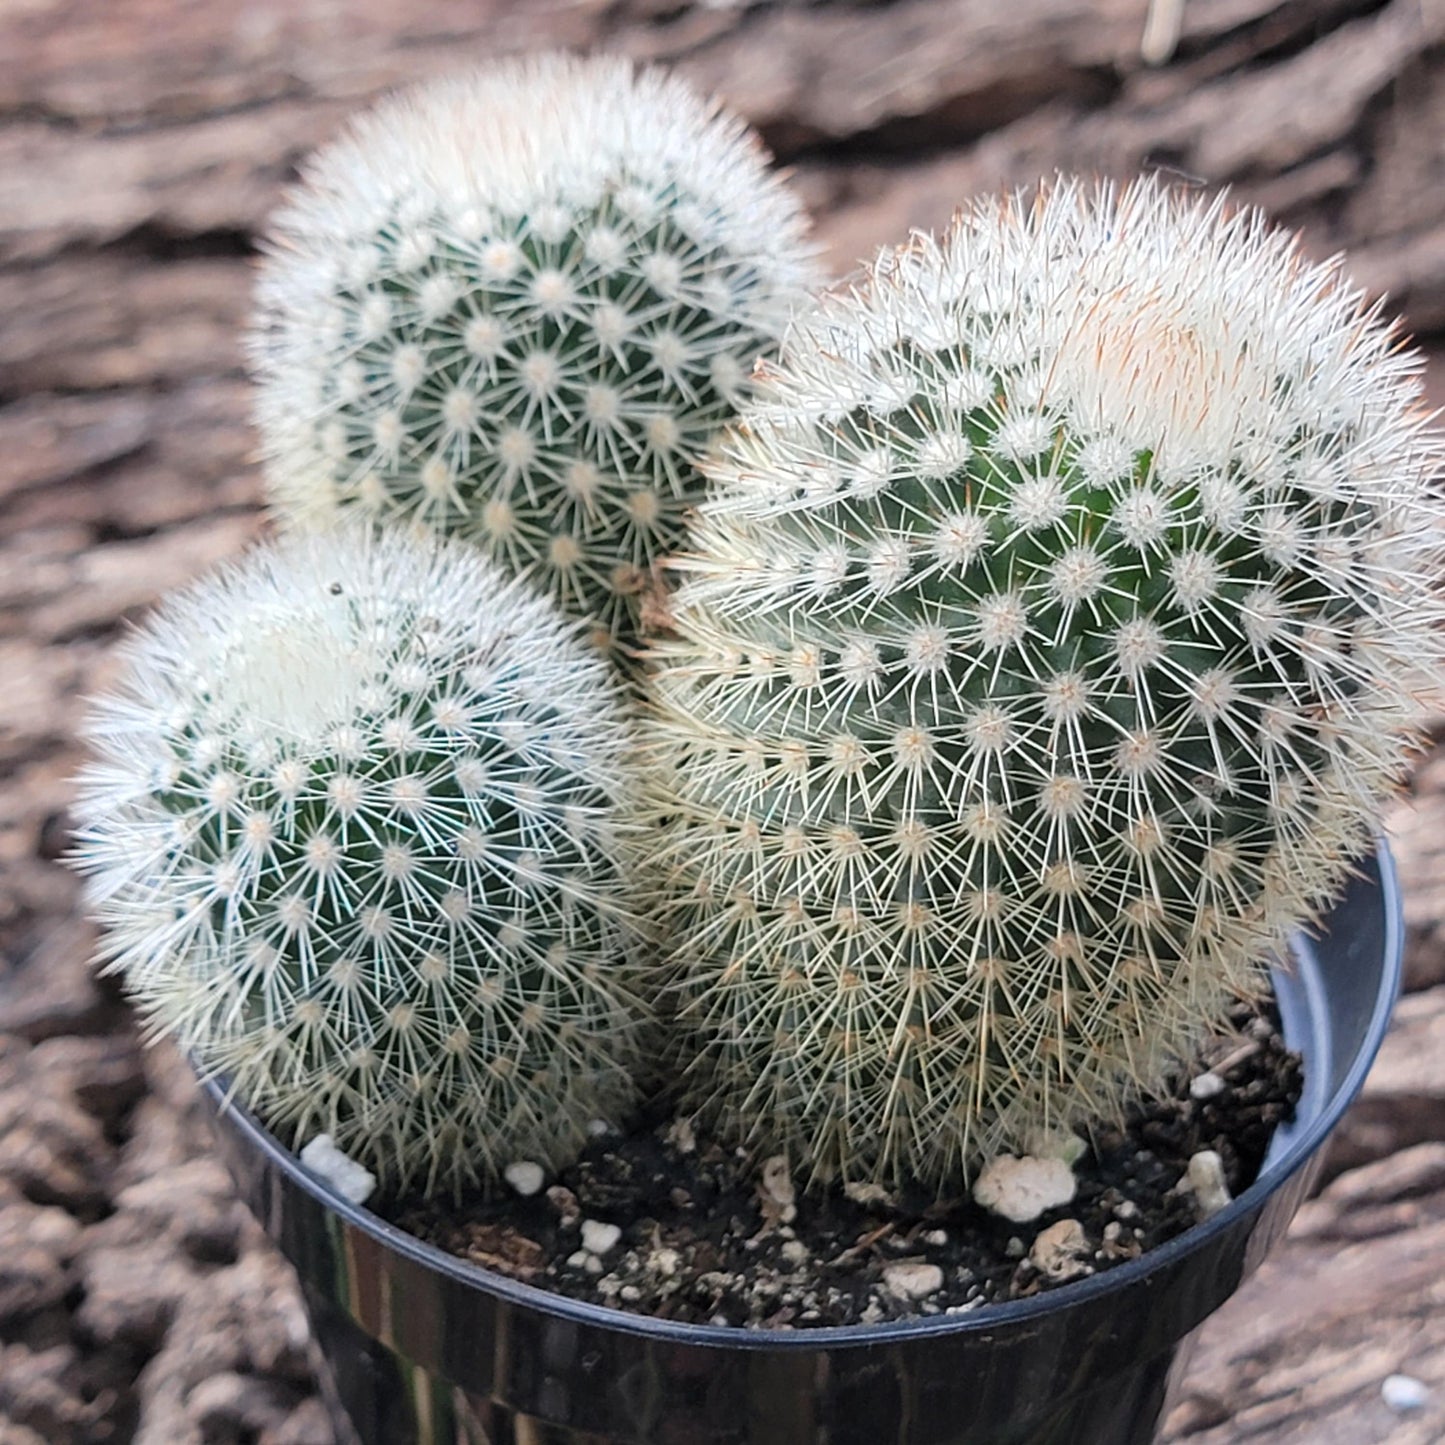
565	1203
680	1135
598	1128
778	1192
352	1181
936	1237
794	1251
1014	1248
1205	1180
525	1177
1207	1085
865	1194
719	1320
1126	1209
1404	1393
665	1261
578	1258
1022	1189
592	1264
1059	1251
912	1279
598	1236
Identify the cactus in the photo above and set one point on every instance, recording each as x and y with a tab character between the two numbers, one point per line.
1045	655
514	307
351	830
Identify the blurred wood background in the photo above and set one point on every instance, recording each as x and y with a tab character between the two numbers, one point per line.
142	143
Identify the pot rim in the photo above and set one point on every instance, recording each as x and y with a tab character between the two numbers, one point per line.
979	1320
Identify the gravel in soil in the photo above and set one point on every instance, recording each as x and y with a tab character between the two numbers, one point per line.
668	1222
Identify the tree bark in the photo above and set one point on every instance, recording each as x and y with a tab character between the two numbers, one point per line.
142	144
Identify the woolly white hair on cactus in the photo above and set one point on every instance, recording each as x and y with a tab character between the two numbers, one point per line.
1046	654
351	832
514	307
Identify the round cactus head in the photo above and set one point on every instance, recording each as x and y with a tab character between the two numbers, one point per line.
514	307
1045	655
350	829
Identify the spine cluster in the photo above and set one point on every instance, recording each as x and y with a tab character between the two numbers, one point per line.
514	308
351	830
1045	655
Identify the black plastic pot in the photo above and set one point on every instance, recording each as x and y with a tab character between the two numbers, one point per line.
425	1349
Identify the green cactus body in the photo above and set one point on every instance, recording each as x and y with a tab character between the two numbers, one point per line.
351	832
1046	654
514	308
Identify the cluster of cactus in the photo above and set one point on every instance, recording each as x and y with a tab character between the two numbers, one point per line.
514	308
1048	639
352	828
1045	655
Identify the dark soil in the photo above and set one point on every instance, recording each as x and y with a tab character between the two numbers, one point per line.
710	1235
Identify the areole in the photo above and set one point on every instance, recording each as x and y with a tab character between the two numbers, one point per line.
425	1349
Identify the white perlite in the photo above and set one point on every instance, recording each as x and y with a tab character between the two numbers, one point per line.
1205	1181
1207	1085
1021	1189
912	1279
1404	1393
525	1176
598	1236
339	1171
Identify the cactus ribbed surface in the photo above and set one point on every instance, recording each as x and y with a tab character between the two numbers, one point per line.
514	307
351	830
1047	652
